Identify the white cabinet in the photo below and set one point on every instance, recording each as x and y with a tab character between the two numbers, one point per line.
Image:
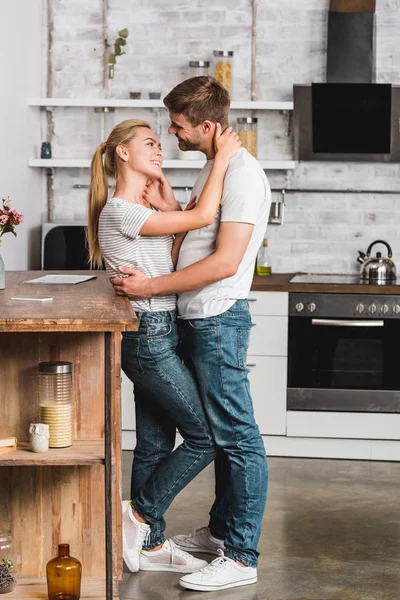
268	389
267	360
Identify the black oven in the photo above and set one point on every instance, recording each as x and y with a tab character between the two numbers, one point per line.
343	353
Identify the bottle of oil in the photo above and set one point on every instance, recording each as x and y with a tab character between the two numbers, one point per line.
263	263
64	576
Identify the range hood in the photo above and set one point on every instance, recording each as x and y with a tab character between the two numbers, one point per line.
348	118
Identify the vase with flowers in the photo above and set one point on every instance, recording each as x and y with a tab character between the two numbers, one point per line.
9	219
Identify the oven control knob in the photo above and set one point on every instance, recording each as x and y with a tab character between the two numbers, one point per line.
372	309
385	309
311	307
299	306
396	309
360	308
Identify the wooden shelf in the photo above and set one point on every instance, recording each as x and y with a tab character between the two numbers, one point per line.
37	588
80	453
84	163
146	103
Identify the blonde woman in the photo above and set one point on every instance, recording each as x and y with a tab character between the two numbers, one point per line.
126	230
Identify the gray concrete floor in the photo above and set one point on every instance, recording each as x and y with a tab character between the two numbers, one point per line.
331	532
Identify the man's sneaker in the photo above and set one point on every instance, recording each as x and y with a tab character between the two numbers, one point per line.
220	574
134	535
199	541
169	558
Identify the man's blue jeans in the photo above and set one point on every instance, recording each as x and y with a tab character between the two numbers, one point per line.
166	399
216	349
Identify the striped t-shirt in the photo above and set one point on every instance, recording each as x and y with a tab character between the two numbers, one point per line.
122	246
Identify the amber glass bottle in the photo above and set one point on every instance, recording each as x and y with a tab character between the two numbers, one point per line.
64	576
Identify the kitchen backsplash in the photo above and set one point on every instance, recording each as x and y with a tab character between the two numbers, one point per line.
322	230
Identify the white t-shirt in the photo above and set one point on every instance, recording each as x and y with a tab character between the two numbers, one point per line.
246	198
121	245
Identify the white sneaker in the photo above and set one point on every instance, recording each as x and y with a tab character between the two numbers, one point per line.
199	541
134	535
169	558
221	574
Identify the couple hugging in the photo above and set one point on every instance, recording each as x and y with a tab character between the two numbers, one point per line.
188	274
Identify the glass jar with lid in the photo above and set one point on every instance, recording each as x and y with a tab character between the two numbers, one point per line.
223	68
55	401
7	562
247	132
198	67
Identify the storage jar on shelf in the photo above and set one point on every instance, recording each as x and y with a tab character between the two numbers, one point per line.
198	67
223	68
7	560
55	401
247	131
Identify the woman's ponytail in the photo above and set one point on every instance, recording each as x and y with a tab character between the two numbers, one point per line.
98	194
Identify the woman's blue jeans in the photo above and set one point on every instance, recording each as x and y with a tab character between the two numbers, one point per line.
166	399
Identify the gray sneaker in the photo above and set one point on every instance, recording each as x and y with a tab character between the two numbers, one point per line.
199	541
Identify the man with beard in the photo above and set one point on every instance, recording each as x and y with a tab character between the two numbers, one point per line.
213	277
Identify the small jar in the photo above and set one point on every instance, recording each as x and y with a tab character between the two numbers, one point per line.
198	67
55	401
7	562
223	68
247	132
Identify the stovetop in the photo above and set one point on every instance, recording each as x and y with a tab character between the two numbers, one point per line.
328	278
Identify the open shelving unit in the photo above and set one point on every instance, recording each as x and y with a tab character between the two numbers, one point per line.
84	163
126	103
65	495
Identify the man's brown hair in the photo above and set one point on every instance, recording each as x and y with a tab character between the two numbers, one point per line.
200	99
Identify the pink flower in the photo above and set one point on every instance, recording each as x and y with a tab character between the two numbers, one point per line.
3	219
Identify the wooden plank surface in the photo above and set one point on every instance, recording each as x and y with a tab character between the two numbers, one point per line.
37	588
80	453
88	306
20	354
352	6
46	506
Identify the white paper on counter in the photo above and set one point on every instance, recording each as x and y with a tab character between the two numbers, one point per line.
46	279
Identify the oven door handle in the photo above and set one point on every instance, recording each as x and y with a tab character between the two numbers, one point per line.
343	323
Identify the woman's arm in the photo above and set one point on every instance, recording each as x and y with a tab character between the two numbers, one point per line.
179	237
164	223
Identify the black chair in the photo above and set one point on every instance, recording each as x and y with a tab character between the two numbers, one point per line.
64	248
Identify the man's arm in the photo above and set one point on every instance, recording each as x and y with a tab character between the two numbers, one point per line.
231	244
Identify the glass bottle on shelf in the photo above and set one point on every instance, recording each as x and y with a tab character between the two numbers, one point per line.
223	68
7	574
198	67
55	401
263	263
64	576
247	132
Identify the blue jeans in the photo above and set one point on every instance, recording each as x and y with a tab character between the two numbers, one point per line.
216	349
166	399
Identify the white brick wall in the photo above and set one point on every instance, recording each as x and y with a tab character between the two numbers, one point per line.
322	231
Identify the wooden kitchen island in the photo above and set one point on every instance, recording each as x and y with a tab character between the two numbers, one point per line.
70	495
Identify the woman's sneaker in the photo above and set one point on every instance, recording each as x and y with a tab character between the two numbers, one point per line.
169	558
134	535
221	574
199	541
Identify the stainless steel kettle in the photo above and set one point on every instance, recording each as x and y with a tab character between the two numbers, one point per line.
377	269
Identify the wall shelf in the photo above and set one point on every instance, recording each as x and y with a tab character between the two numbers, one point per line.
146	103
81	452
84	163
